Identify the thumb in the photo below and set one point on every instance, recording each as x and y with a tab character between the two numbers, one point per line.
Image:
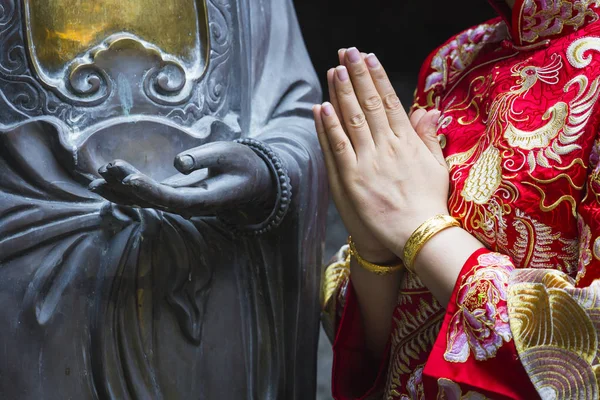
427	130
213	155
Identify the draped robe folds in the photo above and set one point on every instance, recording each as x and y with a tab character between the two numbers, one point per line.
112	302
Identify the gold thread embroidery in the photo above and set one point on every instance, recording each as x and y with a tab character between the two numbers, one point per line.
484	177
555	330
548	208
541	137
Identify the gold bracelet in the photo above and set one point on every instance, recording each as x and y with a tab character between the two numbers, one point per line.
374	268
422	234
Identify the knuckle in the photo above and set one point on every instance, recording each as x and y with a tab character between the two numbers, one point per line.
379	74
372	103
341	146
332	125
346	90
358	120
392	102
361	72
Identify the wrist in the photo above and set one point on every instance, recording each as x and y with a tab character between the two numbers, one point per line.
442	258
381	256
408	228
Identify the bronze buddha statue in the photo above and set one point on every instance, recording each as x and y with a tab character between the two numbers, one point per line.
162	201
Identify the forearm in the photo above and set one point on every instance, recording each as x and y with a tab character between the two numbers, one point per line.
377	298
441	259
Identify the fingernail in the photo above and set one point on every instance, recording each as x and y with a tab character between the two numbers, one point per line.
341	50
342	73
327	109
353	55
185	162
372	61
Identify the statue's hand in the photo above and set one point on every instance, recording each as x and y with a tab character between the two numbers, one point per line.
215	177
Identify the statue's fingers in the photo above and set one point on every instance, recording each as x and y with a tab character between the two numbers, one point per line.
102	188
181	180
217	154
218	193
158	196
208	196
117	170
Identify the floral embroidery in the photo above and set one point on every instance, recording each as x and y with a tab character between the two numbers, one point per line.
595	164
452	391
585	254
414	386
457	55
481	323
551	18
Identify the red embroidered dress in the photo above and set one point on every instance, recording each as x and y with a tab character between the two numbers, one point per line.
520	113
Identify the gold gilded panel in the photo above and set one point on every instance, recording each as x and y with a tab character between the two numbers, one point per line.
61	30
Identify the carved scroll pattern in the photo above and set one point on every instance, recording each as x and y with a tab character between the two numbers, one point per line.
86	86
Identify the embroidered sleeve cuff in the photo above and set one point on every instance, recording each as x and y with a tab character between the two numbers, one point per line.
356	375
476	335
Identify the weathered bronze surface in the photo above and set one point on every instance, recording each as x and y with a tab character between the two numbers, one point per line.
61	30
121	189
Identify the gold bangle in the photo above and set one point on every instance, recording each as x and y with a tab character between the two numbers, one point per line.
374	268
422	234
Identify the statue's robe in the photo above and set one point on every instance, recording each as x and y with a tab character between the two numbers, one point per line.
100	301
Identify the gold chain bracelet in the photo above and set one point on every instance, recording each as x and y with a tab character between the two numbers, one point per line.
423	234
381	270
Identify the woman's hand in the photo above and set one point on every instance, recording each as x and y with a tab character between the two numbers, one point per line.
367	244
369	247
395	178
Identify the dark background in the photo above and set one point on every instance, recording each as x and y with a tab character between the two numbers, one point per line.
402	33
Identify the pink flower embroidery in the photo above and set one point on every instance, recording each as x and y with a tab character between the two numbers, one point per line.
458	54
414	386
595	165
585	254
448	390
481	322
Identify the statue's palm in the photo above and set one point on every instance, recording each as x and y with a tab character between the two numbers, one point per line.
215	177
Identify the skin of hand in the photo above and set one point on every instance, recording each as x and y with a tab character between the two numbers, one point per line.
369	247
388	171
390	175
215	177
376	294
